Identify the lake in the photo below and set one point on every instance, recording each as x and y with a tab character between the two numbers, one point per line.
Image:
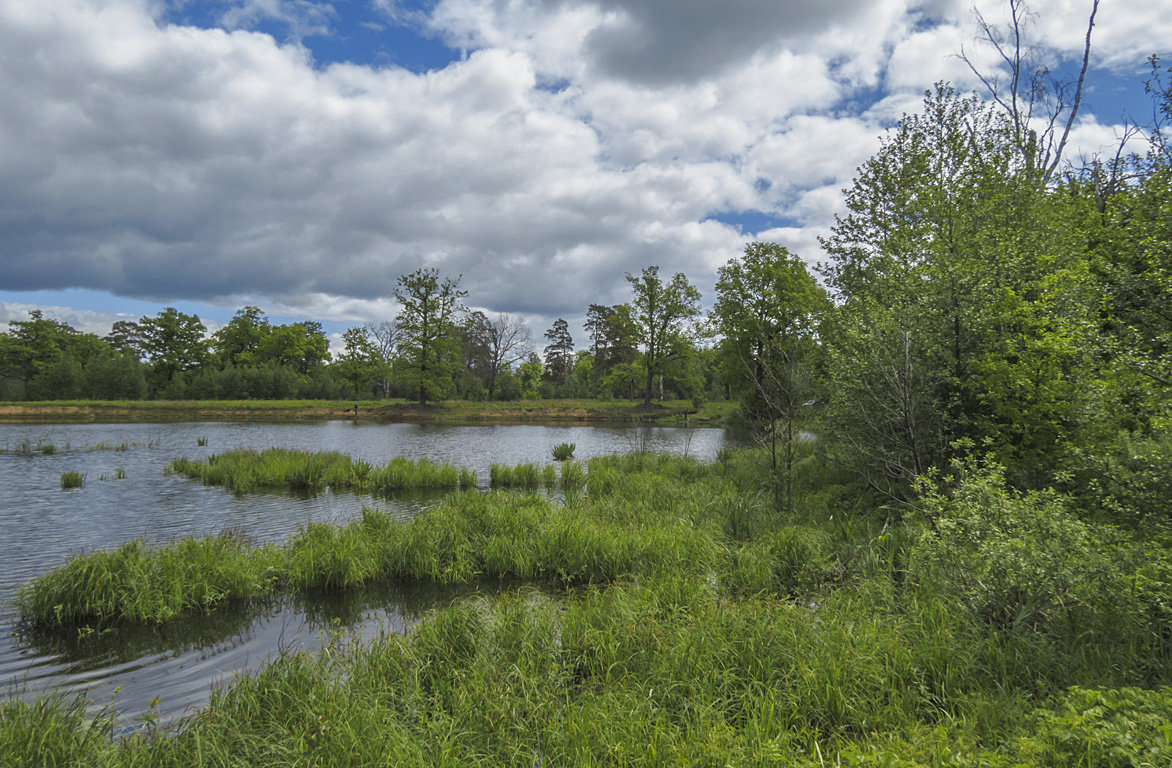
176	664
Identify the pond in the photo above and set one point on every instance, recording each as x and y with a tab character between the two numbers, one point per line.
126	496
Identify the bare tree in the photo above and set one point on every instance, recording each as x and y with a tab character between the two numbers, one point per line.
508	343
385	335
1031	93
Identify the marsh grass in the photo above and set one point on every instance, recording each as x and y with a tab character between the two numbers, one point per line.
282	469
691	624
71	479
522	476
655	673
563	451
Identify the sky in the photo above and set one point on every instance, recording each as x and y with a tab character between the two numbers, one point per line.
300	156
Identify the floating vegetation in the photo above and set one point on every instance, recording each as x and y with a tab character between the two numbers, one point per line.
26	448
201	441
563	451
71	479
284	469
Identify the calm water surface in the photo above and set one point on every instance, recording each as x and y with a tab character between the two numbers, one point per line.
41	525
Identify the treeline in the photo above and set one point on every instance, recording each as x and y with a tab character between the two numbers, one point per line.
436	348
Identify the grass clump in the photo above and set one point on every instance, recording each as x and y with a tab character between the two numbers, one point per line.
71	479
563	451
283	469
139	584
522	476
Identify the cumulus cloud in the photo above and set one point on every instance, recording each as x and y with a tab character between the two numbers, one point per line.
573	141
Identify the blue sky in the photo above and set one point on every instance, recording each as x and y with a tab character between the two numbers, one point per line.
301	155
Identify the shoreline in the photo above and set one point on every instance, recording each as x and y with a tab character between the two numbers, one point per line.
675	413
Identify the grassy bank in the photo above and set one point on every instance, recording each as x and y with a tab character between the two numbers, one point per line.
453	412
699	626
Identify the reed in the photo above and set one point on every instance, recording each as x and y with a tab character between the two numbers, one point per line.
701	627
522	476
283	469
71	479
139	584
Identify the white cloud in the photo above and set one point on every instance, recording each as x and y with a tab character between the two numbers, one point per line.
160	161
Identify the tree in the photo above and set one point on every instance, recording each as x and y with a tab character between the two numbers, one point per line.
507	339
662	314
963	295
597	325
124	336
1040	109
172	342
301	346
768	312
559	353
360	361
385	335
428	345
239	341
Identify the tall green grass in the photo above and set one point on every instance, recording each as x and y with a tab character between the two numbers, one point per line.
71	479
693	624
655	673
284	469
522	476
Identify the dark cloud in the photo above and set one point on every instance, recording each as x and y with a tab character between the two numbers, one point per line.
659	42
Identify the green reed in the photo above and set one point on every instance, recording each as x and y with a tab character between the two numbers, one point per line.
284	469
71	479
691	623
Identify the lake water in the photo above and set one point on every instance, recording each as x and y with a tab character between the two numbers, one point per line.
177	663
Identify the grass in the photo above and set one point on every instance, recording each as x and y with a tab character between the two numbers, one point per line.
71	479
694	624
563	451
522	476
283	469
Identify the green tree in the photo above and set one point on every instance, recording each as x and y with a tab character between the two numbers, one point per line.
768	312
662	315
963	295
239	341
172	342
302	347
360	363
559	353
429	347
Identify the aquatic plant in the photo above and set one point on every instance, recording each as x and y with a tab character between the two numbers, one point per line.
279	468
563	451
71	479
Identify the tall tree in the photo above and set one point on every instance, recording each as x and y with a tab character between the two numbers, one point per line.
507	339
662	313
360	362
239	341
559	353
386	338
962	300
429	348
172	341
768	312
